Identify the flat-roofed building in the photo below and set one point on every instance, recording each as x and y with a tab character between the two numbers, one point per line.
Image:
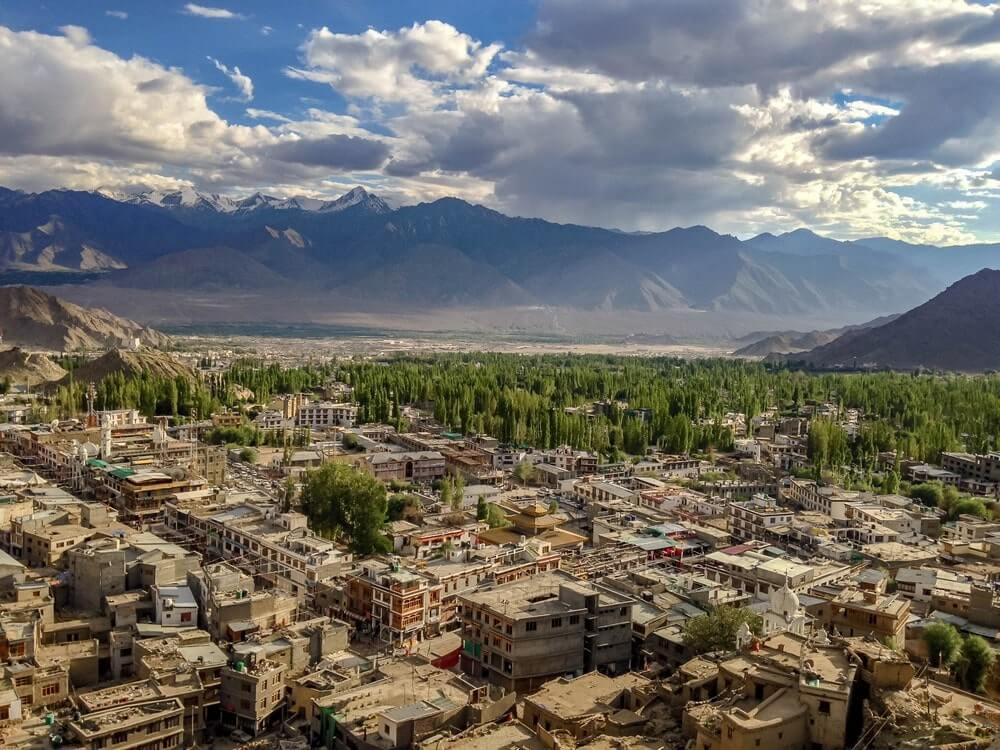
324	414
522	634
253	694
147	726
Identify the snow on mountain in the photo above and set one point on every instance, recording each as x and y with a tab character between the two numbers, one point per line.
185	198
189	198
354	197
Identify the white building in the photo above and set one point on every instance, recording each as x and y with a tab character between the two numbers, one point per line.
323	414
175	606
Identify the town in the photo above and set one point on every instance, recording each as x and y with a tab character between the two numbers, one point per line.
330	560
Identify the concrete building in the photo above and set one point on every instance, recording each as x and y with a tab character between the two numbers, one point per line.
324	415
589	706
175	606
414	466
253	694
850	611
146	726
758	519
521	634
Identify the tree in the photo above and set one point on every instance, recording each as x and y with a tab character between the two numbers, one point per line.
968	506
248	455
457	492
943	642
446	493
928	493
554	506
340	500
403	507
495	517
288	495
974	661
482	509
524	472
890	483
716	630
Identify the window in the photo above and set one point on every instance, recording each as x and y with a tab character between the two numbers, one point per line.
824	707
574	619
119	737
530	627
557	622
52	689
185	617
623	611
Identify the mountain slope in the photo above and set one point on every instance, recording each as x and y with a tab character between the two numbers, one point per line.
28	368
32	318
131	363
958	329
790	342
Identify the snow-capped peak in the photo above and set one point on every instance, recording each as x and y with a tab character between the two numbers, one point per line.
353	197
189	198
184	198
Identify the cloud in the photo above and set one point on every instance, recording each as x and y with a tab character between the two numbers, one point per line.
342	152
242	82
412	64
266	30
77	35
854	118
204	11
265	114
70	98
119	14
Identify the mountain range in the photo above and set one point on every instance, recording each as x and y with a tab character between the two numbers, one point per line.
956	330
213	257
790	342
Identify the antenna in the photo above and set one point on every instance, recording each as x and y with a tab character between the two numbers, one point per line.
91	395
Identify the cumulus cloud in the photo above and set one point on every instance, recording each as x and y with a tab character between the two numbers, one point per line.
205	11
408	65
854	118
242	82
81	116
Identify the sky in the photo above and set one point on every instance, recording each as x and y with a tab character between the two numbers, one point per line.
852	117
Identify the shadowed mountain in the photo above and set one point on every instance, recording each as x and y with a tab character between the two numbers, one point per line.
958	329
444	255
